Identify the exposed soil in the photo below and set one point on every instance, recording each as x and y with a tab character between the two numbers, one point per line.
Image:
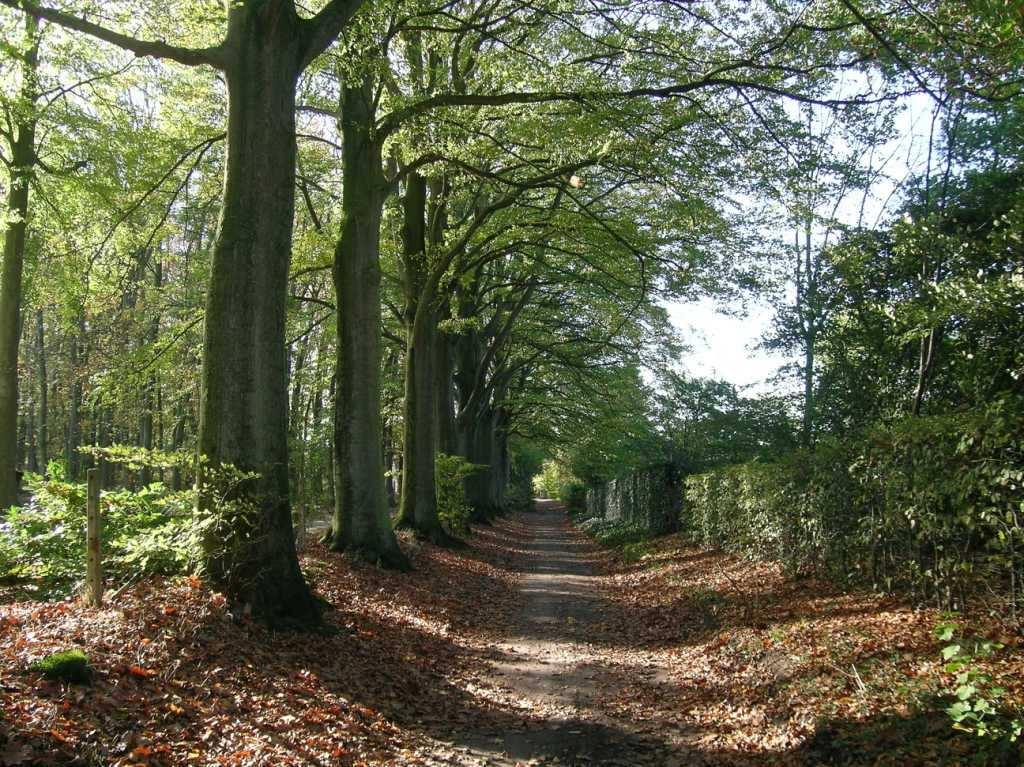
550	669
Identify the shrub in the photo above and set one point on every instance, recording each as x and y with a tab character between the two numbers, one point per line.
617	534
519	497
553	480
932	505
450	471
647	497
147	531
574	496
978	705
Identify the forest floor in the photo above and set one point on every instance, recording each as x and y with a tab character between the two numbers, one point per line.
533	646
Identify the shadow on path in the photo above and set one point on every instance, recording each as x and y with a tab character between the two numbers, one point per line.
547	664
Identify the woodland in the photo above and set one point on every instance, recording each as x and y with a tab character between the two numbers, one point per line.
346	416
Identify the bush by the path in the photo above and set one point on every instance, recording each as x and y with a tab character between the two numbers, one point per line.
151	530
933	505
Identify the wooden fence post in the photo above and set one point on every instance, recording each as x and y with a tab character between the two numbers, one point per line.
94	564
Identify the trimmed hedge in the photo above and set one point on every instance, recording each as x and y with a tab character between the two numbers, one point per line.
933	505
649	499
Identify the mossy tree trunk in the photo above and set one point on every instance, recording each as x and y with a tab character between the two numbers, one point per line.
362	525
418	510
22	139
244	405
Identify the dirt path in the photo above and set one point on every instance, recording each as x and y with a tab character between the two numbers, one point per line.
531	646
550	669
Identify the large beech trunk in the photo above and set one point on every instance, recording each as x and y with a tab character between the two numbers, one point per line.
244	411
447	441
22	161
418	509
361	525
480	451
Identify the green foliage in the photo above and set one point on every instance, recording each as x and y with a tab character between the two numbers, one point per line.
450	471
932	505
882	309
616	534
518	497
151	530
631	540
552	478
574	496
647	498
66	666
705	423
978	704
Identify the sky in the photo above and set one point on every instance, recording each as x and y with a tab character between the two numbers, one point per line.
724	344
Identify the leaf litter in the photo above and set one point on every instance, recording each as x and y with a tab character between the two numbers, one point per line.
684	657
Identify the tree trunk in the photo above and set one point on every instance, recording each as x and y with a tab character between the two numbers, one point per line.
177	441
361	522
317	476
446	439
146	419
418	510
244	408
808	420
295	417
42	455
330	472
22	161
30	437
480	452
72	458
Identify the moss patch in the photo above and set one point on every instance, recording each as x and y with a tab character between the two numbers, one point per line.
68	666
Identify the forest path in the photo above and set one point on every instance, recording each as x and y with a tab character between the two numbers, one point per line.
550	667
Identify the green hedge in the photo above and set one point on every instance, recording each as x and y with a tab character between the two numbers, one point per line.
934	505
648	498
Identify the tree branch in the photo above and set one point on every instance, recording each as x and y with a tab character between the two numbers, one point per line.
152	48
716	79
323	29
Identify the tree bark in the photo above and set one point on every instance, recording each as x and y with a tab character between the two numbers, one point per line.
22	162
447	441
146	419
244	406
361	525
30	437
177	441
418	509
244	402
295	418
42	453
72	458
